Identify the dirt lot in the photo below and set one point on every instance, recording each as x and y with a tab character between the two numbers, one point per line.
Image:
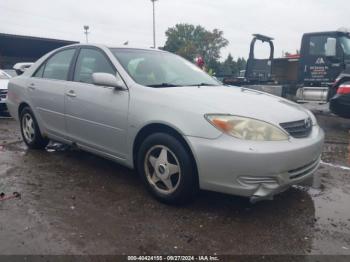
76	203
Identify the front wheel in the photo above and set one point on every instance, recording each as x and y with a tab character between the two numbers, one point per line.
30	130
167	169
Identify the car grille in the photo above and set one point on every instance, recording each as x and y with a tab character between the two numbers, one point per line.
3	94
304	170
298	129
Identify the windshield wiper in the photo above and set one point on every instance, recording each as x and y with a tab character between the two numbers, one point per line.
163	85
202	84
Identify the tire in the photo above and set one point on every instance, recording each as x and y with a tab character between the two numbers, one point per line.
30	130
170	177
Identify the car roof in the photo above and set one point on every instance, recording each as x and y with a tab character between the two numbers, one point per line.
327	33
114	47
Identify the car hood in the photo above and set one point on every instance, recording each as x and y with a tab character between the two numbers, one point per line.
3	84
239	101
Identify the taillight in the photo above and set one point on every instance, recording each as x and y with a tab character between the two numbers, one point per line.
343	89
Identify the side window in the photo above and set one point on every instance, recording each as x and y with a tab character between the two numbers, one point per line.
39	73
57	67
91	61
318	45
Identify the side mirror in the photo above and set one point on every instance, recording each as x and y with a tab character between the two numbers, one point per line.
105	79
331	47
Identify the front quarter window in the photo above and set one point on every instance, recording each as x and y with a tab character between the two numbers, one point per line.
39	72
161	69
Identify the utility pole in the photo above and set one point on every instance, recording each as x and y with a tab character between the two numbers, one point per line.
154	23
86	32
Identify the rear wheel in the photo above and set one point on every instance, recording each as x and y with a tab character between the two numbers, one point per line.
167	169
30	130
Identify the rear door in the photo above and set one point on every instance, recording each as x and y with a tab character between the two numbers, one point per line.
47	88
96	116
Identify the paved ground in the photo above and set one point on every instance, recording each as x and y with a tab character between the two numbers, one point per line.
75	203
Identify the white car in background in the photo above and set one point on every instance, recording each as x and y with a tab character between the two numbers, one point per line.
10	72
4	80
5	76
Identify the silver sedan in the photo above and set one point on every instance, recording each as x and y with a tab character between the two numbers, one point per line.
161	115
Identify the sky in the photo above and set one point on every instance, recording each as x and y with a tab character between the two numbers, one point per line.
113	22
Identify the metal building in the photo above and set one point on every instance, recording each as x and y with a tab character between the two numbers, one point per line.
18	48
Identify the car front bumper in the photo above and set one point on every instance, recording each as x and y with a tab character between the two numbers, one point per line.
3	99
3	107
255	169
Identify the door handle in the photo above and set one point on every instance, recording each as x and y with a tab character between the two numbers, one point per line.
71	93
31	86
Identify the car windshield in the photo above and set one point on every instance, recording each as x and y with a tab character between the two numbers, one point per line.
345	44
3	75
161	69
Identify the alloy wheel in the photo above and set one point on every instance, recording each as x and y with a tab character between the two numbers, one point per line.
28	128
162	169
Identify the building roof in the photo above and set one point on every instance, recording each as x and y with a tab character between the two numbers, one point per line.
28	46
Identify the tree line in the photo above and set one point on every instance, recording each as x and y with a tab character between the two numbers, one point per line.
190	41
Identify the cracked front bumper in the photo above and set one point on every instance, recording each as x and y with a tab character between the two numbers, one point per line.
256	169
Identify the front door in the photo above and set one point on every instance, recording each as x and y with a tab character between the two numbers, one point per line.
96	116
319	67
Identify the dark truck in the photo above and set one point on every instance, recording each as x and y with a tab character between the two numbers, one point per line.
320	73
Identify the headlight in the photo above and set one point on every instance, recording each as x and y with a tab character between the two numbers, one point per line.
247	128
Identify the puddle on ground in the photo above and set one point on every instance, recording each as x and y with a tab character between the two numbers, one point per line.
57	147
336	166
